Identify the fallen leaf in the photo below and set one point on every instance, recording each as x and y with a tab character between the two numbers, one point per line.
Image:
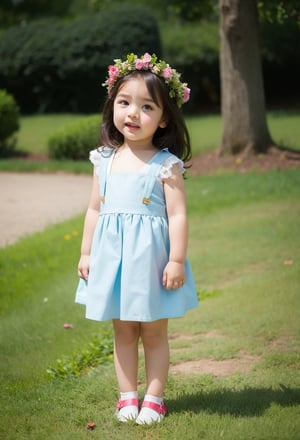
288	262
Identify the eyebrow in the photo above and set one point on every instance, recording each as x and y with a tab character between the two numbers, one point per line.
127	95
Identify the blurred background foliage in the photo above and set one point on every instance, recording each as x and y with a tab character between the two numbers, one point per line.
53	54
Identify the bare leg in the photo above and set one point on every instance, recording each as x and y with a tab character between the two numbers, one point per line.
127	334
156	347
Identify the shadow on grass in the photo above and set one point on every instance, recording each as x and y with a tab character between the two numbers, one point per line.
248	402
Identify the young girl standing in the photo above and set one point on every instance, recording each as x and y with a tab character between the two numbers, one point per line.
133	265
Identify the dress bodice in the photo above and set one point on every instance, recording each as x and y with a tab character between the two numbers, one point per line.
125	192
138	192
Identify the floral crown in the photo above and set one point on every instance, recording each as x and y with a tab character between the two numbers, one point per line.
177	89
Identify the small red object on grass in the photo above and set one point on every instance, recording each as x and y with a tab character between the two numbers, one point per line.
91	425
67	325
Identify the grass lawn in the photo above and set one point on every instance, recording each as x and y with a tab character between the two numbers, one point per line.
245	252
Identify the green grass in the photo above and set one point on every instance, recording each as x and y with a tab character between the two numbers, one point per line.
205	132
35	130
243	228
285	128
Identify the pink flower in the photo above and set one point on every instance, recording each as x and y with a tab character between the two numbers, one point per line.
186	94
139	64
167	72
143	63
113	71
147	58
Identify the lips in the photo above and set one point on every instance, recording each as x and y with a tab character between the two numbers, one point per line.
131	125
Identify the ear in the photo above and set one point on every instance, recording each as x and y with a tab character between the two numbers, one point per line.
163	123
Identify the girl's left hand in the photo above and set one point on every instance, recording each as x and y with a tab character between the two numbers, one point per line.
174	275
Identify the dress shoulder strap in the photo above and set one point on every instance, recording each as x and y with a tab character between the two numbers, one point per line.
106	158
155	165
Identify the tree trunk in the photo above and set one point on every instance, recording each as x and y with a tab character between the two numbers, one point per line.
245	127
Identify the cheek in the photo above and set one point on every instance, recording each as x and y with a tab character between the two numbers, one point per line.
116	117
151	120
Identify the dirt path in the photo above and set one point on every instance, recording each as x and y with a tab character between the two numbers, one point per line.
30	202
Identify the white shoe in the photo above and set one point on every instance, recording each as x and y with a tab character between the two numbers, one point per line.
151	413
127	409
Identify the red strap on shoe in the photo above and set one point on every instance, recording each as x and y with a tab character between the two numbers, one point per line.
160	409
127	402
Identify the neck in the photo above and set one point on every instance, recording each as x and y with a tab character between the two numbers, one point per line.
136	146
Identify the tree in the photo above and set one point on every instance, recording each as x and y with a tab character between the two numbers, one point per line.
245	127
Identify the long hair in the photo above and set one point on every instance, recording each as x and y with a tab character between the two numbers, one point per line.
174	136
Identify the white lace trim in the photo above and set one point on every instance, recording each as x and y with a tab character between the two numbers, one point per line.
166	169
95	157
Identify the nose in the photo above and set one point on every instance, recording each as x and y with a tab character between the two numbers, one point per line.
133	111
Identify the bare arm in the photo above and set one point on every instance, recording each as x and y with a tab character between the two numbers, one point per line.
174	273
90	222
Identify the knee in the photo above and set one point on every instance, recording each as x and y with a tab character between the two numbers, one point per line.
153	338
126	333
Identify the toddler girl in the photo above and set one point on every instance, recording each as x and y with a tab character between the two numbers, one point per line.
133	265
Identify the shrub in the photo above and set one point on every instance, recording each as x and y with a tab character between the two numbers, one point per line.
50	65
9	122
76	139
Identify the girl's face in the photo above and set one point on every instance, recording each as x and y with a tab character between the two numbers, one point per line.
136	115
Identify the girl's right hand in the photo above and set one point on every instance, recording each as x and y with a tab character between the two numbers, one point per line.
84	267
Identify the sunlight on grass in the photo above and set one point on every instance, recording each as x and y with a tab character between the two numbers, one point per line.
205	132
35	130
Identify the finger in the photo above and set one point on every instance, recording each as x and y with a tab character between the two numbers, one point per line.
83	274
178	284
164	279
169	284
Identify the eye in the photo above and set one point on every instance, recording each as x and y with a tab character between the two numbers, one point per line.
147	107
122	102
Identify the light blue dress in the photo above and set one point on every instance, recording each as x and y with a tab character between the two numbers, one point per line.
131	246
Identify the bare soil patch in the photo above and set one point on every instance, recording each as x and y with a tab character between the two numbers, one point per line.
225	367
216	368
210	162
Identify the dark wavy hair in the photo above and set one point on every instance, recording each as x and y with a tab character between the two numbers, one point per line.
174	136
